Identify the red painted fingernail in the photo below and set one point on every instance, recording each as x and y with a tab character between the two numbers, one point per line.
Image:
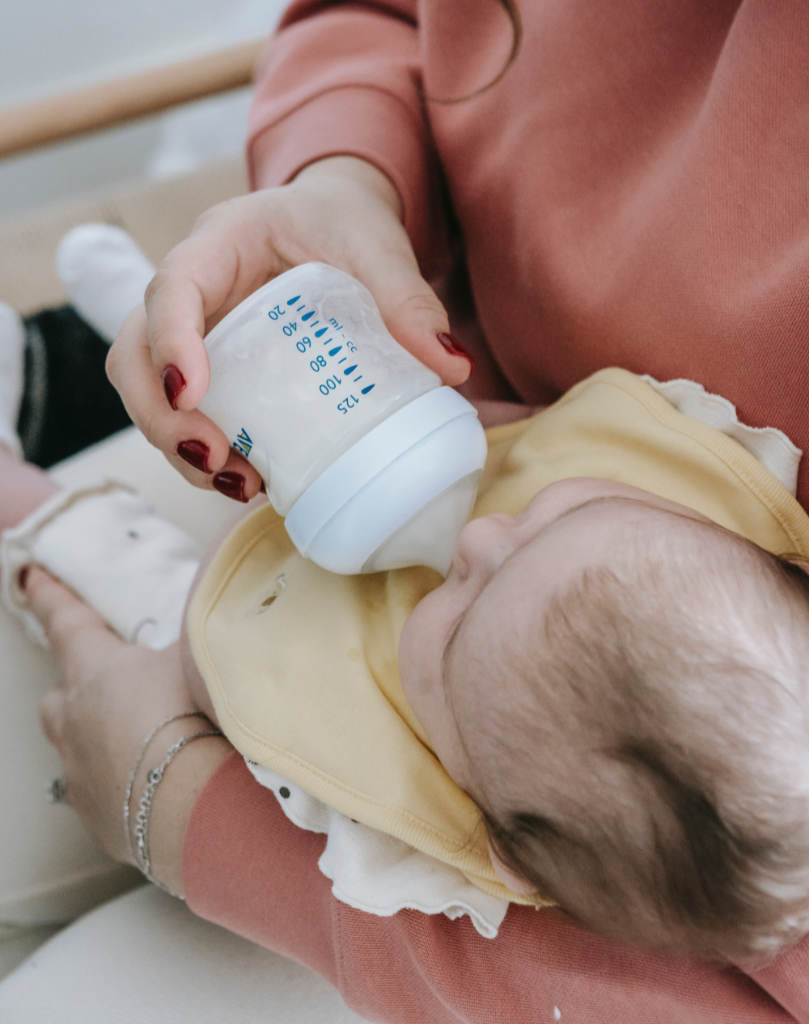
22	577
452	346
173	384
195	453
231	485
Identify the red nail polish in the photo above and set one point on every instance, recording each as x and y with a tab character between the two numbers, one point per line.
453	347
173	384
231	485
195	453
22	577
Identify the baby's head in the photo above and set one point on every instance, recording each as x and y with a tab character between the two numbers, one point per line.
620	685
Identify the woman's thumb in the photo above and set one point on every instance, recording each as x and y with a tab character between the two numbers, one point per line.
417	319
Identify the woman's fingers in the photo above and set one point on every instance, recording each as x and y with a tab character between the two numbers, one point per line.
77	635
173	336
51	716
194	445
412	311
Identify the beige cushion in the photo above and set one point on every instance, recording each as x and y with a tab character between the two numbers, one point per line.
157	214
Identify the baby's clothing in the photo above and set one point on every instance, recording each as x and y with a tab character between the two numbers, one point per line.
301	665
106	543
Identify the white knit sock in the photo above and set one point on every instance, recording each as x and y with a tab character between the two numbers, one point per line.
134	568
105	275
12	345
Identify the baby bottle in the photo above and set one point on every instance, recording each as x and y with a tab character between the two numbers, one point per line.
370	460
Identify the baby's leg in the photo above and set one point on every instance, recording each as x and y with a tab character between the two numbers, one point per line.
23	487
104	541
108	545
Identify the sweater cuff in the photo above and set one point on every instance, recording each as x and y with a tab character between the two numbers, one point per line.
247	868
366	123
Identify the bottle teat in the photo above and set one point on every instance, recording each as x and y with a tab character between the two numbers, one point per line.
399	496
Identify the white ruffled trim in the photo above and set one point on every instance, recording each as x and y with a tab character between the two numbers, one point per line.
377	873
774	450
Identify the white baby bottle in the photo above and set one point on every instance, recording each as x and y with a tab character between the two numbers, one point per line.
370	460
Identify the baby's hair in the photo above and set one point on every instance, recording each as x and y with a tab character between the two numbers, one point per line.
675	811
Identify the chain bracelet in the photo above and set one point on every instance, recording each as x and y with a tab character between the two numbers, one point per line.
130	782
144	815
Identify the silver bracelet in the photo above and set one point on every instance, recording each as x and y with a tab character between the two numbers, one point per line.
130	782
144	815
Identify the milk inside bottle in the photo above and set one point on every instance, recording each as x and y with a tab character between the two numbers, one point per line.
370	460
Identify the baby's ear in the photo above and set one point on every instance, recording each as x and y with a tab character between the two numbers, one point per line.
508	876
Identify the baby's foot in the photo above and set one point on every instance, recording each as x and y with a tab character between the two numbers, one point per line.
12	343
105	275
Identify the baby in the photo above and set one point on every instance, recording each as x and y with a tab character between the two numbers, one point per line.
620	686
614	678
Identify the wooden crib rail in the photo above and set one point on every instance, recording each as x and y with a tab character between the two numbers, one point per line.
104	104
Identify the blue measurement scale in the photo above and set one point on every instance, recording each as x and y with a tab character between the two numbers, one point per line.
332	358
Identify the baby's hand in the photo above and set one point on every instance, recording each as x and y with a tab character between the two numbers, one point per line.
339	210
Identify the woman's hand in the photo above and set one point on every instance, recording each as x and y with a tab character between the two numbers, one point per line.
110	696
339	210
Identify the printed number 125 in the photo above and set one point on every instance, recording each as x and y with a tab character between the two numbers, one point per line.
347	403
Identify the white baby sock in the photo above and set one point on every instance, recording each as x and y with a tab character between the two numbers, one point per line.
104	273
134	568
12	345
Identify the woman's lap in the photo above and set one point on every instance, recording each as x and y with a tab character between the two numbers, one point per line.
151	960
50	871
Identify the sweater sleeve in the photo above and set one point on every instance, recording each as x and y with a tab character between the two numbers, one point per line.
344	78
250	870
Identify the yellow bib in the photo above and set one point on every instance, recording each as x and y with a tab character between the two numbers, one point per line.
301	664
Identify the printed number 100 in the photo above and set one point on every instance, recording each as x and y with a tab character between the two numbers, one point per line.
329	384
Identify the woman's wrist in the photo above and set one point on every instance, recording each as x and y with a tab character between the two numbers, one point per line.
360	171
189	757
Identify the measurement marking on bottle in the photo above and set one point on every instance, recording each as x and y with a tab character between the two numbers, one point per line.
350	369
293	300
300	308
309	315
342	359
335	350
321	332
367	388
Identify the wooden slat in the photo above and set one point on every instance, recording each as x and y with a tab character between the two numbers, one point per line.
103	104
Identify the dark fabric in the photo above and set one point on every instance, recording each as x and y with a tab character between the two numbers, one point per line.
68	403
